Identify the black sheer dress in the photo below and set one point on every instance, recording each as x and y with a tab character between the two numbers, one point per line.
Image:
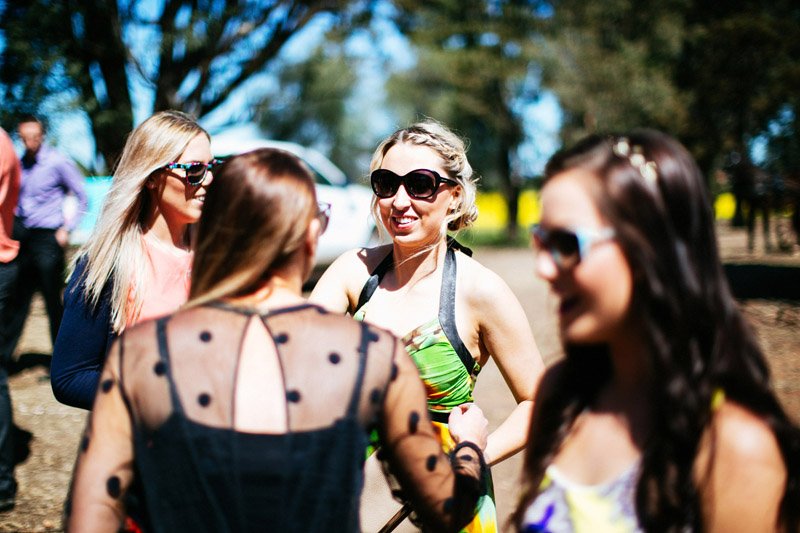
240	421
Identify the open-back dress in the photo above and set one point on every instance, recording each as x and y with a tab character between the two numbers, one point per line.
179	398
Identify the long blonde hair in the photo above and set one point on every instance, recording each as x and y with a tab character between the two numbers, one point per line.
115	253
453	151
254	219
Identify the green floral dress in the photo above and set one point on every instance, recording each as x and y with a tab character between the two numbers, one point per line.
447	369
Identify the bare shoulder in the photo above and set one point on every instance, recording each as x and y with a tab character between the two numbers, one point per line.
739	471
339	286
743	432
482	286
135	334
744	437
360	261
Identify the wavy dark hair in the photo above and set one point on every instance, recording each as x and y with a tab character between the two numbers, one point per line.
699	342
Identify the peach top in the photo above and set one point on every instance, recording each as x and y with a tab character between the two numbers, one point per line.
168	274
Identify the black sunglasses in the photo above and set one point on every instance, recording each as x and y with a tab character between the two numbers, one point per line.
420	184
568	246
195	171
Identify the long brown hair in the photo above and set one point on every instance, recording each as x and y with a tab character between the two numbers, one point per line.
255	217
698	340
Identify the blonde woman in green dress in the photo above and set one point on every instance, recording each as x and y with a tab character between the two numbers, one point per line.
452	313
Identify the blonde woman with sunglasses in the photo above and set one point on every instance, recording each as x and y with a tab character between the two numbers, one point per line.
453	314
136	264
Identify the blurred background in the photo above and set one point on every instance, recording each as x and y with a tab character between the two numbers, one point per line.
328	79
517	78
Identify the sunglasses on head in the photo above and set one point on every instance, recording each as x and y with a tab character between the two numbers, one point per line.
568	246
323	215
195	171
420	184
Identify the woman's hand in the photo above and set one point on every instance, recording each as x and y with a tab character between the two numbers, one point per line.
467	423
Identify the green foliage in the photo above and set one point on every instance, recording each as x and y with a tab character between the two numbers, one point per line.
310	106
473	69
611	65
715	74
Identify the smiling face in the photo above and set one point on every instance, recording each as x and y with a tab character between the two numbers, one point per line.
415	222
177	200
595	294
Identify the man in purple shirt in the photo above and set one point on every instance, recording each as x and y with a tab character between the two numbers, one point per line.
41	229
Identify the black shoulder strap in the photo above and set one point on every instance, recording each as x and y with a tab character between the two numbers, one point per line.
163	354
447	298
447	310
367	336
455	245
386	265
374	280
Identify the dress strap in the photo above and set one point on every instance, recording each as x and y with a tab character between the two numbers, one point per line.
387	264
374	280
447	310
447	297
455	245
367	336
163	355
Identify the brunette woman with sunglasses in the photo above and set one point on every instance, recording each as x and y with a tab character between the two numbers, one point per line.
452	313
137	262
661	417
249	409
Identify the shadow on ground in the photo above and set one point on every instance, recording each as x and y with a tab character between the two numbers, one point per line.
764	281
29	360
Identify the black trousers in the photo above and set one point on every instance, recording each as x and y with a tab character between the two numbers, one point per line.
41	267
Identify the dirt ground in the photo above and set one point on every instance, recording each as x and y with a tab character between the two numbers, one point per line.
49	431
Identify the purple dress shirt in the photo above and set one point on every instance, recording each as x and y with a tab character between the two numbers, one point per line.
46	180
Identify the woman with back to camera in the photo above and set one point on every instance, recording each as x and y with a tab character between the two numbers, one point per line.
136	264
661	417
452	313
249	409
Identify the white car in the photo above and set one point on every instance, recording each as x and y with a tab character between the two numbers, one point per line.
351	224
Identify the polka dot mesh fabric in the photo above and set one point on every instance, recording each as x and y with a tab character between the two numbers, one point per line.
238	421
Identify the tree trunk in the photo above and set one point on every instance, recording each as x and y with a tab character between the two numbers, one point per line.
509	187
105	85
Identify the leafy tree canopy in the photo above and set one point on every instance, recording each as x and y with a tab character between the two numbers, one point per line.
474	71
192	54
715	74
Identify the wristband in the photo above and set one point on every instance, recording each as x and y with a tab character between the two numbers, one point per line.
467	444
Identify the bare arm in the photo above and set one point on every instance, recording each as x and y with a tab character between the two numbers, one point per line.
332	291
104	469
740	473
505	335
